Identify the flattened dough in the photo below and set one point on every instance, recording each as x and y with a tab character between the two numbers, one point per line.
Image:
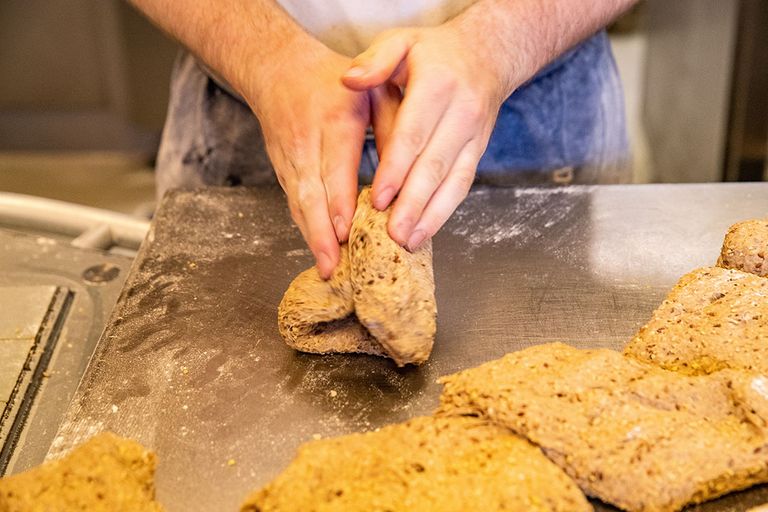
713	318
745	247
319	316
635	436
106	474
427	464
380	299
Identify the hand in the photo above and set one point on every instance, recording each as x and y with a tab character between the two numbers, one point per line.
441	129
314	129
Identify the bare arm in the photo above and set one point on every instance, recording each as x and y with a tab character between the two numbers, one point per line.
231	36
531	33
456	76
313	126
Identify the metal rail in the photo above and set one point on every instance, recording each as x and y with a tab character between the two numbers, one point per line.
90	228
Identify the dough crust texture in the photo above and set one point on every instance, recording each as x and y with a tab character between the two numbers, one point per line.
380	299
426	464
746	247
713	318
106	474
634	435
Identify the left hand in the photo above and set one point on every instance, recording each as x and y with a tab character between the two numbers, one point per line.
453	92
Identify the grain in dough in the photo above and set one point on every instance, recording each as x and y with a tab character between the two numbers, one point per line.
634	435
428	464
745	247
380	299
394	289
106	474
318	316
713	318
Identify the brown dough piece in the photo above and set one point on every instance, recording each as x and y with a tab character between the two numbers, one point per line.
106	474
634	435
427	464
380	299
745	247
713	318
319	316
394	290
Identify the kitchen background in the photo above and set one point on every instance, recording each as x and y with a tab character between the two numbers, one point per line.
84	89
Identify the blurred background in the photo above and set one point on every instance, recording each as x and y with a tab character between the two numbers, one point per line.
85	85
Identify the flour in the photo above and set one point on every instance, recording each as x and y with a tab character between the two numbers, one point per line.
532	213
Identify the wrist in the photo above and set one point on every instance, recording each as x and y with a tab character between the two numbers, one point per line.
506	44
479	35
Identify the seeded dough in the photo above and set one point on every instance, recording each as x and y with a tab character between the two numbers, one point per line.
635	436
428	464
106	474
394	290
713	318
380	299
319	316
745	247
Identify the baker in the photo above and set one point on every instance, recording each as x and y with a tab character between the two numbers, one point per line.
502	91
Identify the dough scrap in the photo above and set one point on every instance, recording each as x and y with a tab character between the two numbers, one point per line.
426	464
106	474
380	300
713	318
746	247
634	435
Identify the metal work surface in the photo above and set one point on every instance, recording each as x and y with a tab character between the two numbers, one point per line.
191	363
54	298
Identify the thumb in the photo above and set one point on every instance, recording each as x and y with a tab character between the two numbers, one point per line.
379	62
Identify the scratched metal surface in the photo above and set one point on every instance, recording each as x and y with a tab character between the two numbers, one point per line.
192	366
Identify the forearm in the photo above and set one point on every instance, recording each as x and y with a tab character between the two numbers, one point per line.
229	36
525	35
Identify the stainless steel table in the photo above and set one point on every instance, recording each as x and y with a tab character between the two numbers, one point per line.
191	363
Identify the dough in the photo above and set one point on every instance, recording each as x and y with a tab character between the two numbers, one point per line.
380	299
427	464
635	436
394	290
319	316
745	247
107	473
713	318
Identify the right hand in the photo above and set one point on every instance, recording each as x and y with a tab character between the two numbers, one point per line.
314	130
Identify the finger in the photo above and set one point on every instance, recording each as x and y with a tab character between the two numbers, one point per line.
385	100
379	62
342	147
287	183
420	112
318	230
447	197
429	171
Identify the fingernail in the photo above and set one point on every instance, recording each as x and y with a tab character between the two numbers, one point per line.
341	228
416	239
384	198
324	265
402	231
355	72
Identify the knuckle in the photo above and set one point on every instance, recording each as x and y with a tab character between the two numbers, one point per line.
435	170
444	83
306	195
464	180
412	139
472	110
